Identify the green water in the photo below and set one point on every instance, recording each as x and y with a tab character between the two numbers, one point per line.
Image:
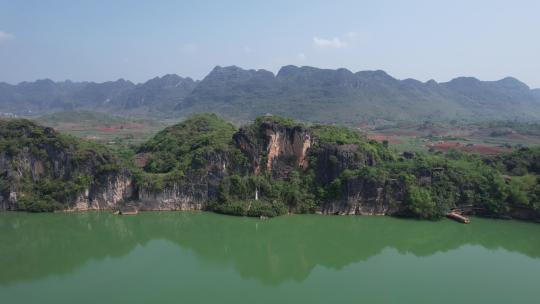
181	257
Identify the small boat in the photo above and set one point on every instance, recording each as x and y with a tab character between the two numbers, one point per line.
129	212
458	217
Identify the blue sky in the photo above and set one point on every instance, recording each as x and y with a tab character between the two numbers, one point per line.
138	40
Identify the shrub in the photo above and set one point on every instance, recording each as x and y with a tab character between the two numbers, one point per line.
420	204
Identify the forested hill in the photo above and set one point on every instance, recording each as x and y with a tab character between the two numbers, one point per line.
330	96
270	167
157	95
305	93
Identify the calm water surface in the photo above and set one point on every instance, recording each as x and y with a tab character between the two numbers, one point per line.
182	257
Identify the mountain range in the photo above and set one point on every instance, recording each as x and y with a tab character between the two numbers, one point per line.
305	93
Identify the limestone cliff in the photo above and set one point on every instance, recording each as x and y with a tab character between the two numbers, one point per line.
274	147
111	191
363	197
268	168
41	170
192	192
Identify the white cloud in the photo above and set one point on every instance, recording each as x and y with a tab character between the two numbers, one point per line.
334	43
345	40
301	57
5	36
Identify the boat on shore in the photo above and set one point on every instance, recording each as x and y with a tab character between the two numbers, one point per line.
458	217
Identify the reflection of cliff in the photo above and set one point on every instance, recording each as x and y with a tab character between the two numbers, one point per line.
35	245
286	248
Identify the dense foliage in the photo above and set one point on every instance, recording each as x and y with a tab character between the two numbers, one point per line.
181	146
424	185
277	197
521	170
47	168
185	147
433	183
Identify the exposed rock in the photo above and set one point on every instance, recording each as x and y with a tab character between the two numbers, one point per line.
194	192
343	172
271	148
282	147
362	197
108	194
177	197
332	160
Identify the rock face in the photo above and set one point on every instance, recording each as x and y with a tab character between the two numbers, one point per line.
111	191
332	160
281	149
176	197
278	149
362	197
52	167
40	169
359	196
194	192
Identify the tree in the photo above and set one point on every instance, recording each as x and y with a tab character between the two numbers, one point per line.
420	203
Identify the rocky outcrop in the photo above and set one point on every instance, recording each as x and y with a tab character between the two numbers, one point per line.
53	163
283	166
275	147
45	171
104	191
332	160
193	192
363	197
175	197
109	193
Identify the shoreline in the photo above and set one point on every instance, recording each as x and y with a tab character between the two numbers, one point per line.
112	212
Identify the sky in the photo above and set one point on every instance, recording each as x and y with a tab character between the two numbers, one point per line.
138	40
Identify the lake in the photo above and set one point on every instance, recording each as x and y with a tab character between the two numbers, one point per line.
199	257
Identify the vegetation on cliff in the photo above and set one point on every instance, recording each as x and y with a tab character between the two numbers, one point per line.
426	185
47	170
274	196
522	170
187	144
271	167
184	149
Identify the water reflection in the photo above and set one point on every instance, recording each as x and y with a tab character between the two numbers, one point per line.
33	246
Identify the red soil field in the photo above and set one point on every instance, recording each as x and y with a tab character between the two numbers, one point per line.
406	133
488	150
381	137
481	149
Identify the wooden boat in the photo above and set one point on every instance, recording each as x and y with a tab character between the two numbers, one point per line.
458	217
129	212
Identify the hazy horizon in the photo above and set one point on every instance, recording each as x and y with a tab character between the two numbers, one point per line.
99	41
244	68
